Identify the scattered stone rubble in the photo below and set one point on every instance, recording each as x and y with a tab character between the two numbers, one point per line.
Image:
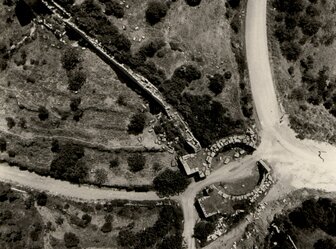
264	186
248	140
252	196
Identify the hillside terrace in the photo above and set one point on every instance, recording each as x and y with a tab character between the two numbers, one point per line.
139	80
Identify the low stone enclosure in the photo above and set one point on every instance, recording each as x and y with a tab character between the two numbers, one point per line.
219	202
199	164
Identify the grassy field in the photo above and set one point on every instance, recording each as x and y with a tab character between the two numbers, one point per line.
306	84
35	220
35	78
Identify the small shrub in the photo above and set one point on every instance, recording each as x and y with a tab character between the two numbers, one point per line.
10	122
86	218
3	144
74	104
78	114
216	84
100	176
114	163
107	227
43	113
23	123
41	199
55	147
76	80
31	79
136	162
11	153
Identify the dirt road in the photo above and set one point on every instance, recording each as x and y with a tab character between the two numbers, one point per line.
296	163
63	188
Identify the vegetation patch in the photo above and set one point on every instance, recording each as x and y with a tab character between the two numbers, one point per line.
62	223
302	35
311	225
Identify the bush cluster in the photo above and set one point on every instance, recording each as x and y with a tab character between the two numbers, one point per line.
136	162
137	123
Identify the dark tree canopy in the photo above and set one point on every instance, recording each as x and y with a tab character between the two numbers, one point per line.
107	227
291	50
41	199
156	10
137	123
216	84
170	182
43	113
3	144
10	122
76	79
203	229
114	163
67	164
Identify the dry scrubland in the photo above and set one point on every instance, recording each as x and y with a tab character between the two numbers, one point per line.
36	220
34	78
191	53
301	40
